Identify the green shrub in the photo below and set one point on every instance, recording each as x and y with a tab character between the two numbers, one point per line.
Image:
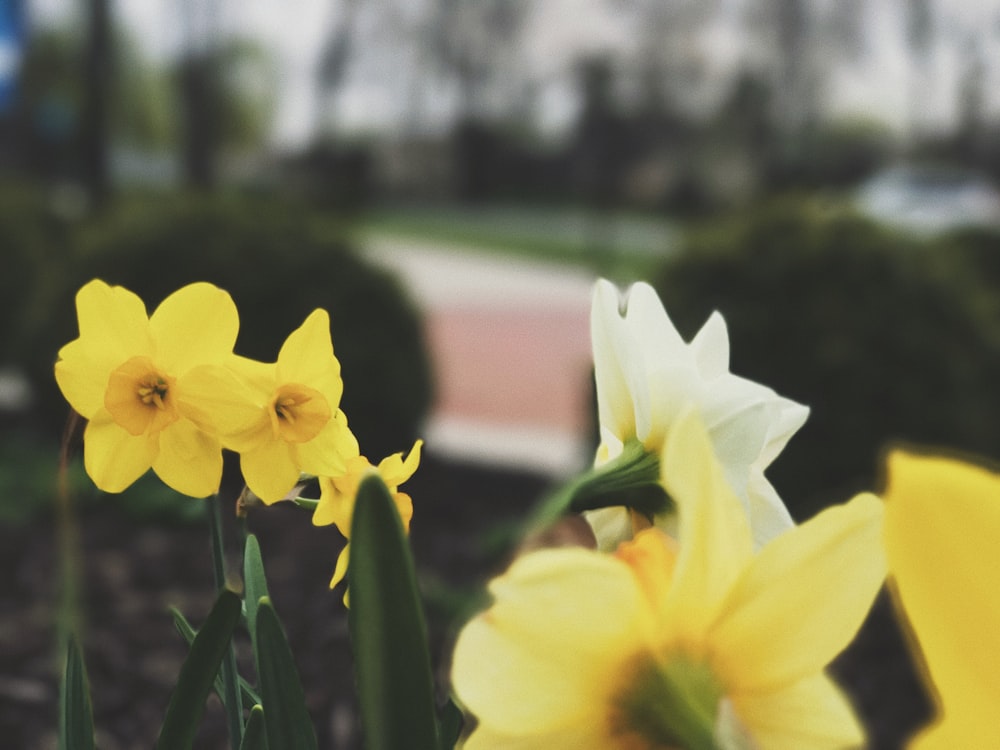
886	338
279	264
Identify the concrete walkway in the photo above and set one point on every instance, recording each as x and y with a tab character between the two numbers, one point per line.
510	344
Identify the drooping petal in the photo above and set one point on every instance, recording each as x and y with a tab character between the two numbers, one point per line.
801	577
615	404
190	460
713	532
942	538
543	655
114	459
270	470
811	714
306	357
195	325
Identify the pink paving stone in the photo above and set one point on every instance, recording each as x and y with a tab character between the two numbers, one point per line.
525	367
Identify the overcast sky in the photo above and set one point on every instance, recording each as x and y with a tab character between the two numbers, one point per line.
294	31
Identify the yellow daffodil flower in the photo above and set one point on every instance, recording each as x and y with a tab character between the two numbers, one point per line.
646	376
128	375
942	536
694	642
284	418
338	495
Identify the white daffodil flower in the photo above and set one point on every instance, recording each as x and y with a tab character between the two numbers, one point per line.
646	375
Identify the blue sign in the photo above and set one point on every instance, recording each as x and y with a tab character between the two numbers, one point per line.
11	50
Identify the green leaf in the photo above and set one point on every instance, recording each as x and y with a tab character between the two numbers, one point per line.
388	634
76	719
450	725
198	673
253	580
255	738
287	721
249	695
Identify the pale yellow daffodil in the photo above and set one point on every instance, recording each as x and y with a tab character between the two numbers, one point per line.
284	418
689	642
338	496
646	376
942	538
128	375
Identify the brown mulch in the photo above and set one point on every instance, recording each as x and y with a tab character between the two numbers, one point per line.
131	572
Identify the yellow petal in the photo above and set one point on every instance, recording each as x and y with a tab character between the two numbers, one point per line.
112	322
269	470
327	453
586	734
114	459
334	506
714	535
113	328
813	585
190	460
195	325
394	470
307	357
811	714
963	729
341	569
214	398
545	653
942	537
83	379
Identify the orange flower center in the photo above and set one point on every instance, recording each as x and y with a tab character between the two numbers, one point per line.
298	413
138	397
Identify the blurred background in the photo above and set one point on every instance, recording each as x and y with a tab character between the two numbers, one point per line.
448	178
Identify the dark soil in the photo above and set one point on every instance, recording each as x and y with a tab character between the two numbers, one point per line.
131	572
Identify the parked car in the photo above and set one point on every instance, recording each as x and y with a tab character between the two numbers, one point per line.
930	199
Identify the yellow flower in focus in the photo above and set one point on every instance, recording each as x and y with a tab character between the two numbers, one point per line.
689	643
338	495
942	538
646	376
128	375
285	420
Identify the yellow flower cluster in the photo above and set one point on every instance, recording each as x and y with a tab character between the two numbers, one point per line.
165	391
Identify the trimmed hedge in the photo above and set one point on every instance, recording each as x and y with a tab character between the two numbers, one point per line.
278	263
887	338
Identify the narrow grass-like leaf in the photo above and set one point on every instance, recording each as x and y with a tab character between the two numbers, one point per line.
254	580
254	736
198	673
76	719
388	634
249	695
285	716
450	725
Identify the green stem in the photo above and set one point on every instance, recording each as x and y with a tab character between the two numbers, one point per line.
230	675
631	479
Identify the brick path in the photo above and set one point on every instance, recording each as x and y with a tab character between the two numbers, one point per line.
510	344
